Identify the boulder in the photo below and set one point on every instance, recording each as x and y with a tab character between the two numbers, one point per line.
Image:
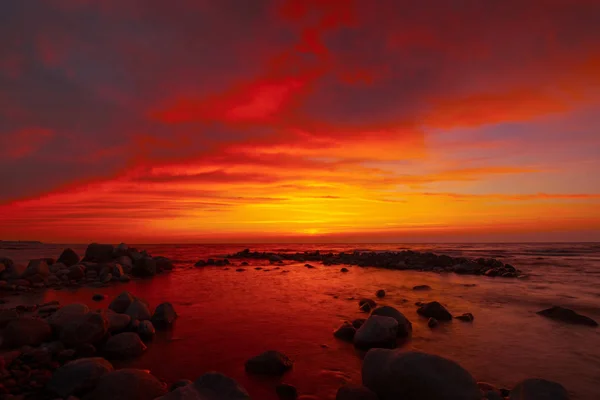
76	272
146	330
345	332
377	331
435	310
6	262
121	302
6	316
126	263
432	322
163	263
344	269
98	297
380	293
404	325
117	322
269	363
68	257
99	252
210	386
90	328
467	317
566	315
538	389
422	287
366	305
127	384
79	376
355	392
67	314
286	392
179	383
15	271
124	345
144	267
37	267
117	271
357	323
394	374
164	315
26	331
138	310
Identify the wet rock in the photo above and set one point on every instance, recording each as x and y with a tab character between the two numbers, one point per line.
144	267
345	332
66	314
344	269
6	316
357	323
90	328
6	262
77	377
422	287
124	278
416	376
200	263
138	310
14	271
180	383
124	345
240	270
85	350
380	293
210	386
163	263
68	257
98	297
355	392
404	325
121	302
127	384
146	330
76	272
377	331
538	389
366	305
26	331
126	263
117	322
567	315
37	267
467	317
286	392
164	315
432	322
99	252
435	310
269	363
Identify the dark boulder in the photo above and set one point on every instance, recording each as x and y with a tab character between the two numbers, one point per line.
26	331
138	310
269	363
179	383
467	317
164	315
144	267
345	332
66	315
68	257
404	325
121	302
89	328
286	392
366	305
355	392
567	315
77	377
37	267
377	331
538	389
99	252
210	386
127	384
124	345
344	269
163	263
117	322
380	293
146	330
76	272
435	310
357	323
422	287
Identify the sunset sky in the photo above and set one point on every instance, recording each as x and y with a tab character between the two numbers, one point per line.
318	120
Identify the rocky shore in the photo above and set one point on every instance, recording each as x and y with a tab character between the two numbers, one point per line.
101	265
398	260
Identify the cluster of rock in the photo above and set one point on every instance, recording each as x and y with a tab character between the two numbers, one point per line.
46	343
400	260
102	264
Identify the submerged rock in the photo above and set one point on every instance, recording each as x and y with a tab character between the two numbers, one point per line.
117	322
127	384
77	377
366	305
124	345
286	392
121	302
432	322
164	315
435	310
355	392
138	310
404	325
210	386
269	363
144	267
146	330
422	287
380	293
344	269
394	374
345	332
377	331
538	389
567	315
467	317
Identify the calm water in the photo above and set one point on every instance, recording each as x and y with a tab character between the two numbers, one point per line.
227	317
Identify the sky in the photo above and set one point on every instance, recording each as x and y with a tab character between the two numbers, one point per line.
152	121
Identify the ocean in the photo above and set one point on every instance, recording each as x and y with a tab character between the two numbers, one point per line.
227	317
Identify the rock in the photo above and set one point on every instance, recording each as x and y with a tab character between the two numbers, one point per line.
179	383
77	377
37	267
269	363
121	302
435	310
68	257
15	271
127	384
491	395
85	350
124	278
146	330
26	331
538	389
394	374
6	262
357	323
380	293
345	332
210	386
117	271
66	314
467	317
309	266
164	315
275	258
124	345
432	322
404	325
144	267
121	250
377	331
366	305
126	263
566	315
163	264
240	270
117	322
90	328
421	287
99	252
200	263
76	272
286	392
138	310
355	392
98	297
6	316
344	269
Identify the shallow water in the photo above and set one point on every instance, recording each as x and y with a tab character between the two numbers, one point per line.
227	316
